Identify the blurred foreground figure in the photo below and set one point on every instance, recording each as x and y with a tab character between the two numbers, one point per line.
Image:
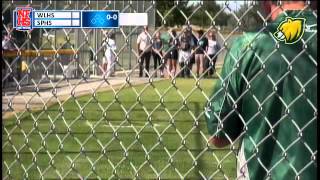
267	97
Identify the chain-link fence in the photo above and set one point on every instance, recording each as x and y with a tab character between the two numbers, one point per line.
64	118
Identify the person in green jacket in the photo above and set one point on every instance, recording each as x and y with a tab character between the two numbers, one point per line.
266	98
165	38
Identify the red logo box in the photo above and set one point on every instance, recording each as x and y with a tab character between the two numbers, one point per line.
23	18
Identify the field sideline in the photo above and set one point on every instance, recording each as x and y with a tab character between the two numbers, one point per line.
113	131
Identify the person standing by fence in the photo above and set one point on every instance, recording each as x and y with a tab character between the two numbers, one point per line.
174	43
193	44
144	50
8	41
266	97
110	57
212	50
165	37
186	45
156	52
199	51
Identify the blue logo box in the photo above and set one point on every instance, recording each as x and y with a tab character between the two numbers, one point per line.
100	19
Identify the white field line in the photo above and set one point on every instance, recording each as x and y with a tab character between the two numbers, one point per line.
117	126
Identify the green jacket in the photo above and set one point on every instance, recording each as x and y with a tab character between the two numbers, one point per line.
165	38
267	97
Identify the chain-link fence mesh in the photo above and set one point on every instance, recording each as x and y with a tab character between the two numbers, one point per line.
63	118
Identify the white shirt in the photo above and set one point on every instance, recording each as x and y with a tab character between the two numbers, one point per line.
110	45
144	41
212	47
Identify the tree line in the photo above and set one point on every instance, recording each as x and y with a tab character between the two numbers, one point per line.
174	13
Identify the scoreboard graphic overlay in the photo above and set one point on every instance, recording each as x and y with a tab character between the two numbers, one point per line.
27	18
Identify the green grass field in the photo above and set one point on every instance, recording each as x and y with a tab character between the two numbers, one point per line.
121	135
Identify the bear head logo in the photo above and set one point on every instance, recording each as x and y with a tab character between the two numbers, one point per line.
290	30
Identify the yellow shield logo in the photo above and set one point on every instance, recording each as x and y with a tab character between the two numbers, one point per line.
290	30
24	66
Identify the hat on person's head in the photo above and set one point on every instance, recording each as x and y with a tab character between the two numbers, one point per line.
111	34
